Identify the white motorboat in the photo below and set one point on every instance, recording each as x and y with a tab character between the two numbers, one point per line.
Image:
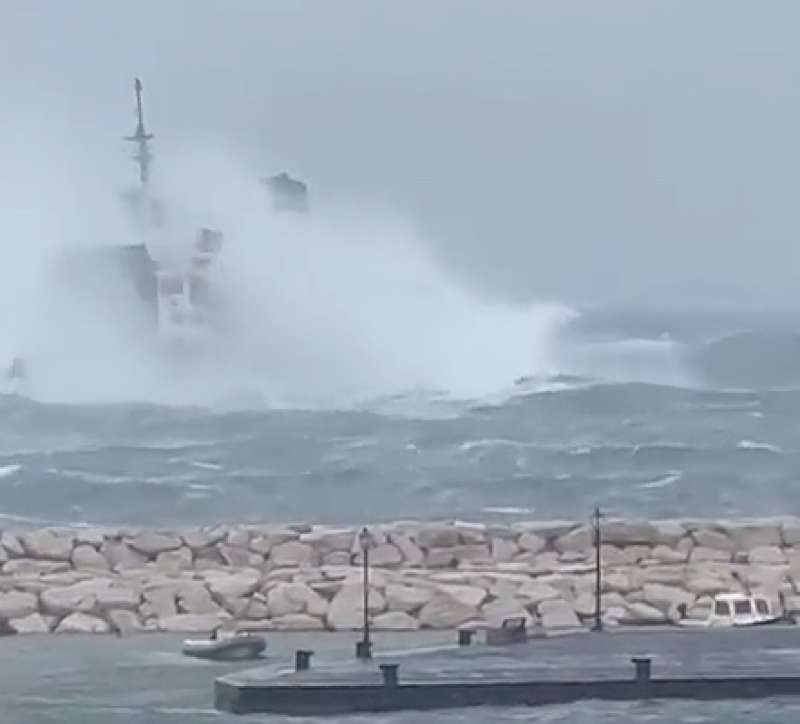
235	647
730	610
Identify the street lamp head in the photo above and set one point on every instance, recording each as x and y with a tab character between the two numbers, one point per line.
364	538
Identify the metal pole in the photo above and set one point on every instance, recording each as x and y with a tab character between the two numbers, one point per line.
598	582
364	647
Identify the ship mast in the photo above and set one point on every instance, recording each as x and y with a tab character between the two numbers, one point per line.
142	156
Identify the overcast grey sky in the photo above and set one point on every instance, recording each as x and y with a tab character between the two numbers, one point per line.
582	151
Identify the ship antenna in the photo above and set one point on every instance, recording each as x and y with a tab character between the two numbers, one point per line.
142	156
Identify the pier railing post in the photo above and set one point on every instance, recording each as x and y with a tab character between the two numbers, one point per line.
302	659
642	664
389	673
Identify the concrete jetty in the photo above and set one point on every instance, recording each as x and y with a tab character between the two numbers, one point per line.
623	665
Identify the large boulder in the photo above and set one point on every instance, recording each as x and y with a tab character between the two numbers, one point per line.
576	540
79	597
10	543
702	554
200	538
497	611
534	592
227	585
82	623
86	556
557	614
503	549
124	621
286	598
626	533
753	533
640	613
395	621
766	555
33	567
437	536
117	597
292	553
33	623
469	596
531	543
268	538
665	598
159	603
46	544
412	554
346	610
150	543
445	612
196	599
121	556
407	598
192	622
712	539
297	622
176	560
327	540
17	604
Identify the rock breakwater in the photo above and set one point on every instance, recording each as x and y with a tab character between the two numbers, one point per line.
422	575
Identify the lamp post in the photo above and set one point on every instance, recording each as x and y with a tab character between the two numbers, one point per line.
364	647
598	582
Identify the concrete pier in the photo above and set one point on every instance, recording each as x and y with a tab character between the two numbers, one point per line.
624	665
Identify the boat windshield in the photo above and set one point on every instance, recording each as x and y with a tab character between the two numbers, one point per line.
742	608
721	608
761	607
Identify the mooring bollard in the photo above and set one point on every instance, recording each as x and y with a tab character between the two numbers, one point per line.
642	668
302	659
389	673
465	636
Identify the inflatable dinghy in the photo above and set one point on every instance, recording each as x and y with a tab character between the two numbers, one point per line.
229	648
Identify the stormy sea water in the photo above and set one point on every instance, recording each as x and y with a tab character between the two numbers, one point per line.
649	414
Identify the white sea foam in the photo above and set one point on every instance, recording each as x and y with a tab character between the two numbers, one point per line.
6	471
672	477
753	445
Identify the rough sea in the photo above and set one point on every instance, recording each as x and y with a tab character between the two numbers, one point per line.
644	413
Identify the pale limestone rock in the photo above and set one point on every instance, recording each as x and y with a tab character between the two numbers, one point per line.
617	582
82	623
158	603
326	589
124	621
470	596
90	536
86	556
176	560
3	556
531	543
611	555
707	585
503	588
412	554
576	540
470	533
11	545
495	612
327	540
197	600
292	553
238	538
790	532
240	557
626	533
668	532
766	555
117	597
700	554
503	549
639	613
584	605
713	540
150	544
665	554
33	567
535	591
700	609
297	622
336	558
234	585
33	623
17	604
192	622
545	562
632	554
47	545
613	616
685	545
346	610
285	598
395	621
670	574
384	554
754	533
255	610
557	614
80	597
199	538
466	554
570	557
547	529
437	536
444	612
121	556
665	597
407	598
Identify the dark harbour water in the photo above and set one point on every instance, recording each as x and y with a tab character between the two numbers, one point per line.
144	680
